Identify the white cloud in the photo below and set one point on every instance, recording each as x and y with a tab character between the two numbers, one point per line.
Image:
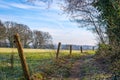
40	4
4	6
20	5
23	6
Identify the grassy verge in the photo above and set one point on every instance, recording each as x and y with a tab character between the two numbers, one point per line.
41	62
93	70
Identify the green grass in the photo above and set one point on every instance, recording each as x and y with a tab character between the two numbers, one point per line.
38	60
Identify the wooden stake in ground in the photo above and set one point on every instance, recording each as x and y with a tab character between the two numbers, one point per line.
12	61
93	48
22	58
70	50
58	50
81	49
12	58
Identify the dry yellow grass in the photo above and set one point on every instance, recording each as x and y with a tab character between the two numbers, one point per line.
8	50
14	50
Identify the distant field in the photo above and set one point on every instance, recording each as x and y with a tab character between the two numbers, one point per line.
35	58
10	50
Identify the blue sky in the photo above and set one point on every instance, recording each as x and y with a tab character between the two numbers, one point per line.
39	17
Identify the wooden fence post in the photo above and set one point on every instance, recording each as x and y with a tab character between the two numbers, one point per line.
70	50
12	60
93	48
12	57
22	58
58	50
81	49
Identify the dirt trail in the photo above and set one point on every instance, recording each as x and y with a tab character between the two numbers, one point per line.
76	69
86	68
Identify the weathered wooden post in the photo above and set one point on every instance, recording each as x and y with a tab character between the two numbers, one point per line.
22	58
81	49
93	48
12	60
58	50
12	57
70	50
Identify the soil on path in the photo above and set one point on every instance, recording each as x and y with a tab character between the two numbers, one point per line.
86	68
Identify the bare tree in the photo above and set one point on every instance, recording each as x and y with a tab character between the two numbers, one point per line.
41	39
37	39
10	31
25	34
2	35
84	13
24	31
2	31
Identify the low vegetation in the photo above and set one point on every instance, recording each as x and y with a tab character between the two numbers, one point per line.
42	63
109	56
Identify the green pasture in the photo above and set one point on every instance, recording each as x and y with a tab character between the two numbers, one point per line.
36	60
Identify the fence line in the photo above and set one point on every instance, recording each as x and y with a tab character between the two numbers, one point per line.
22	57
23	60
70	50
58	50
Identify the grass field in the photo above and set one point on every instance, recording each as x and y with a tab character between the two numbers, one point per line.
39	61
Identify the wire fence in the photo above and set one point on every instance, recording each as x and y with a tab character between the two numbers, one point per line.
10	65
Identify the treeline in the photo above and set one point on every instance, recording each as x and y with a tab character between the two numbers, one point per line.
29	38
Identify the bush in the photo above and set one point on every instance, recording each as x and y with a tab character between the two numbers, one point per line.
109	55
103	53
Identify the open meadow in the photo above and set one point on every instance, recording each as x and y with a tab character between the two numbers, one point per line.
41	63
